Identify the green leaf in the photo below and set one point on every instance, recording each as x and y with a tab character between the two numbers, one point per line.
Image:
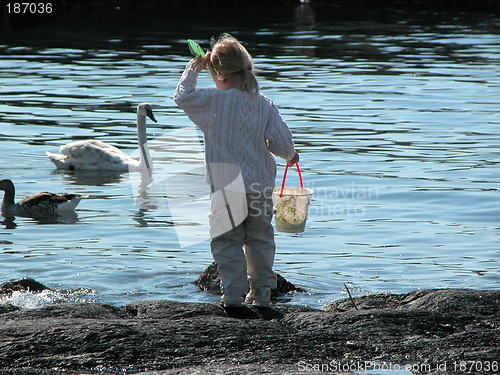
195	48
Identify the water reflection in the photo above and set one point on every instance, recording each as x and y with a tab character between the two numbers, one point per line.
9	223
91	178
69	217
148	196
404	103
145	218
305	17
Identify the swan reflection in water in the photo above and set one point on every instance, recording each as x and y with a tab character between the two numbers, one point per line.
183	196
91	178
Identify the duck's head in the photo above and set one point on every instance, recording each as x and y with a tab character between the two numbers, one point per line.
6	184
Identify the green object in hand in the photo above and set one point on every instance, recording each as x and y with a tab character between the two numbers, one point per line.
195	48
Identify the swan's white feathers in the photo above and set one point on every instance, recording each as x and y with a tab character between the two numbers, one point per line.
93	154
78	149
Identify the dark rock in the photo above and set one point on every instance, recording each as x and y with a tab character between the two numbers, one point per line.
486	303
74	311
209	280
170	309
442	300
432	327
7	308
25	284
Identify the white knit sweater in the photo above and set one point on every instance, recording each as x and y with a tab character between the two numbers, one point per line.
239	129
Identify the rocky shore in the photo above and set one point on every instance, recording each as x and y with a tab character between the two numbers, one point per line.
448	331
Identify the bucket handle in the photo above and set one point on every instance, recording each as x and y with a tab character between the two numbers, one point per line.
284	178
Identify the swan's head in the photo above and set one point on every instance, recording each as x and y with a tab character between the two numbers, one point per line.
145	109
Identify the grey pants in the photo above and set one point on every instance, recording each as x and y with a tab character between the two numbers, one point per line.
245	253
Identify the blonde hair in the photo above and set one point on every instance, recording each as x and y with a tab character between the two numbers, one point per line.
229	57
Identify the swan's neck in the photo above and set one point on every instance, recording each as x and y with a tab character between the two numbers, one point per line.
144	159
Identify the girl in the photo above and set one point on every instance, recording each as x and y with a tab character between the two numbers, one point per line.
241	127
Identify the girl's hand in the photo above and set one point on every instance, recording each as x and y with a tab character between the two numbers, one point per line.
199	63
294	160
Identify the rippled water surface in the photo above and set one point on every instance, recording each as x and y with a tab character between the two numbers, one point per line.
395	114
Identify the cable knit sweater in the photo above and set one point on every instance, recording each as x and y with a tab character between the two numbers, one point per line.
239	129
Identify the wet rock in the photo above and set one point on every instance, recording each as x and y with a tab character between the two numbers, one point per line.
4	308
486	303
25	284
433	327
441	300
209	280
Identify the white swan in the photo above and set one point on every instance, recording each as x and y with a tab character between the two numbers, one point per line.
36	203
96	155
